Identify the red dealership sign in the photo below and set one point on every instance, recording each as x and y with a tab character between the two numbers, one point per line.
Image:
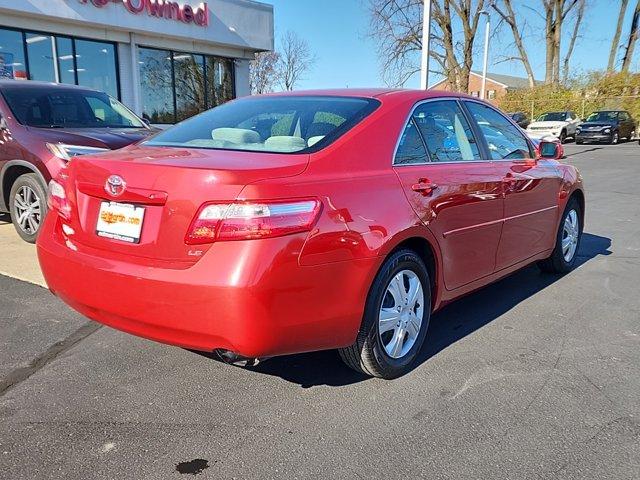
162	9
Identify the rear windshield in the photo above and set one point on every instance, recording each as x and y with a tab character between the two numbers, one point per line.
269	124
61	108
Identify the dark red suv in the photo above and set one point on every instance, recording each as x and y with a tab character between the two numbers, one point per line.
43	126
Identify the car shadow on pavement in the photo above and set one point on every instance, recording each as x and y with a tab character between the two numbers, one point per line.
449	325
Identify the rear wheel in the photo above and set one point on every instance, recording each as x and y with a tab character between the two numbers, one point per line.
579	141
396	319
565	253
28	206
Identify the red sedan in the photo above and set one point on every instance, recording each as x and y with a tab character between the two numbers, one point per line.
316	220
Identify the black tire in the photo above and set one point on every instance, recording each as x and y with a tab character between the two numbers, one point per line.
557	263
563	136
579	141
368	355
28	183
615	138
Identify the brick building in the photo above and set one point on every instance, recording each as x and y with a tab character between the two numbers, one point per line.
497	84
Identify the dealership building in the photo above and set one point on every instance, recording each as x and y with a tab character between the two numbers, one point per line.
167	60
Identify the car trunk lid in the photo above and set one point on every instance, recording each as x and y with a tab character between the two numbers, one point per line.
169	185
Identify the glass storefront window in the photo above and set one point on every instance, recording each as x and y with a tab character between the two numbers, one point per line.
41	54
12	64
66	65
156	85
96	65
176	85
219	81
190	92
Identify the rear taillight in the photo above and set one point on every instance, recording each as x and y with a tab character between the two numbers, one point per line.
252	220
57	199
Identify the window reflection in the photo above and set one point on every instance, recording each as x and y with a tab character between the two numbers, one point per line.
189	75
197	82
41	54
96	64
12	64
219	81
156	85
66	65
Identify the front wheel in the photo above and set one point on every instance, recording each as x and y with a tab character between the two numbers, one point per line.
28	206
564	255
615	138
563	136
395	321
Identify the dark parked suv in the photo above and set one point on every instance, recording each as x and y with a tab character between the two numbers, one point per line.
606	126
43	126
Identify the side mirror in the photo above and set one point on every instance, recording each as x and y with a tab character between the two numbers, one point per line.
549	150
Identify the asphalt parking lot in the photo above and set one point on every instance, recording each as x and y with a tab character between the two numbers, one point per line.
536	376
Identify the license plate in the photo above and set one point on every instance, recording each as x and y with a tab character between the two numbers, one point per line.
120	221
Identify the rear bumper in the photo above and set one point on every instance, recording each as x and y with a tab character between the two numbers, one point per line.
252	298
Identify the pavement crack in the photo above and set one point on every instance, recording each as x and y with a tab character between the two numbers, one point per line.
19	375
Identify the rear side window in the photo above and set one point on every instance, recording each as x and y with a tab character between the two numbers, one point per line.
411	148
291	124
505	140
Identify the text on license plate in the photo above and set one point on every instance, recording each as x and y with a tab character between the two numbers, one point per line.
120	221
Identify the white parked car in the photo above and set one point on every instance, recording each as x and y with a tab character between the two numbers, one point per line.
558	124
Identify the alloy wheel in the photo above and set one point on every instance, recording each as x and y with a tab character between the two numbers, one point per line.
570	235
27	210
401	314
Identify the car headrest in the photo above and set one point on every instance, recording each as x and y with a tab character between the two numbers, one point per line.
235	135
313	140
285	144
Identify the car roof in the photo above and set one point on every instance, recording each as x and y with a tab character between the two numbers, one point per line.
32	84
372	93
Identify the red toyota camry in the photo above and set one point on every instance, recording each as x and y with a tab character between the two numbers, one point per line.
317	220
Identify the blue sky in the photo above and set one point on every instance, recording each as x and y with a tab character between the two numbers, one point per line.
337	33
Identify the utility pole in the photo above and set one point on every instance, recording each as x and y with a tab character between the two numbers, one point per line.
485	60
426	41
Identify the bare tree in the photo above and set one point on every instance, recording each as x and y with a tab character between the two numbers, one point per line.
554	13
263	71
396	25
615	43
633	37
296	59
581	6
508	16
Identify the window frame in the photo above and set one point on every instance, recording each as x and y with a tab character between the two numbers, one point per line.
477	133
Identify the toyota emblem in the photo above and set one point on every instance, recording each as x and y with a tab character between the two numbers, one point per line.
115	186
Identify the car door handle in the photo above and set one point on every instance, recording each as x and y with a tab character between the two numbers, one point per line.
424	186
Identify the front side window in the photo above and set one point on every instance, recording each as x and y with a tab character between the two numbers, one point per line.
446	132
273	125
505	141
56	108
